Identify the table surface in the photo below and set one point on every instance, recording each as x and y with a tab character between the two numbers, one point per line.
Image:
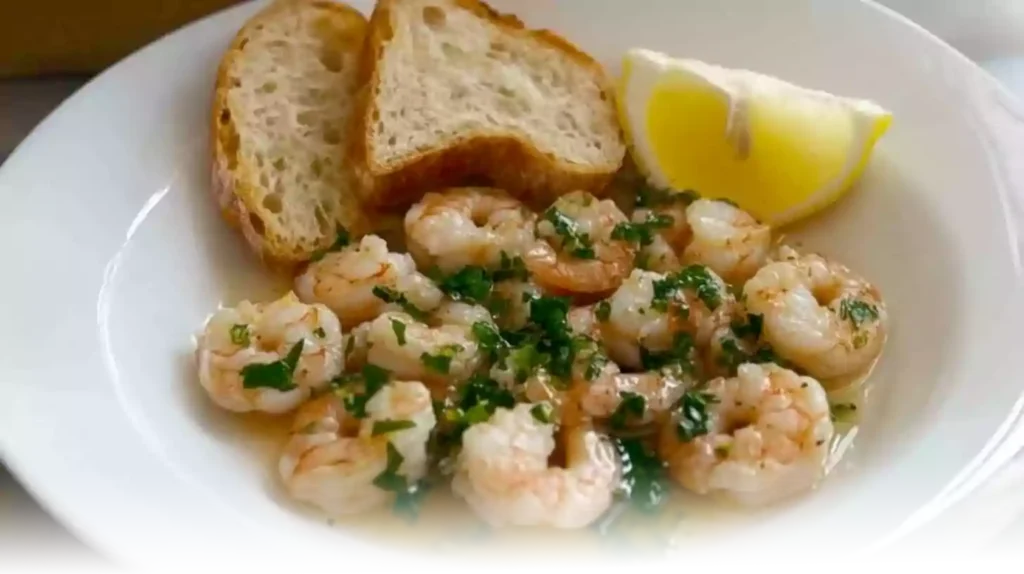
991	32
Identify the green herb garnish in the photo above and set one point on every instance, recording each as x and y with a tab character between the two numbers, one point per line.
319	332
373	378
637	530
603	311
681	355
441	362
857	312
389	295
389	426
398	328
407	496
542	413
510	268
340	242
490	339
240	335
575	241
693	415
471	284
752	327
642	233
631	405
277	375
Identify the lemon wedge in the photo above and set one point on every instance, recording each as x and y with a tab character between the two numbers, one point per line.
779	151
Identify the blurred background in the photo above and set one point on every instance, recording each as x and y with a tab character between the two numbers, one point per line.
49	49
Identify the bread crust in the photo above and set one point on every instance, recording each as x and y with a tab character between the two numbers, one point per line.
230	182
507	161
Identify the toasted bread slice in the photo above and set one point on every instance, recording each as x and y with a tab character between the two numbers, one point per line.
284	97
455	93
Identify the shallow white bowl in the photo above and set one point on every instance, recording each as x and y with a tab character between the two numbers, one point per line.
115	254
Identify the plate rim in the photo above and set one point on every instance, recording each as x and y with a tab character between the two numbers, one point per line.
79	523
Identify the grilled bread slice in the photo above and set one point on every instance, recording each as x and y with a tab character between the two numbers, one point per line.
455	93
283	102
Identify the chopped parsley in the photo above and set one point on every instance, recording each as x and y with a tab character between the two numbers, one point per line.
373	379
319	332
389	295
693	415
510	268
631	405
642	233
478	398
542	413
700	279
857	312
637	530
399	329
471	284
407	496
733	356
277	375
603	311
681	354
441	362
490	339
239	335
575	241
340	242
389	426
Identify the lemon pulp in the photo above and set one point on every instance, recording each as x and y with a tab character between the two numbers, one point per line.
778	151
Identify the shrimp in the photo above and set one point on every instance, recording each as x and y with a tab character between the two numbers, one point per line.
345	281
726	239
251	334
819	315
510	301
659	390
649	310
469	226
575	252
356	346
504	474
662	254
412	349
332	458
768	432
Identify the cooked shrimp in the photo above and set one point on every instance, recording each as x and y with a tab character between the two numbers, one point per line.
460	227
251	334
672	236
583	320
355	346
510	301
576	252
458	313
726	239
411	349
767	436
819	315
504	474
332	459
345	281
649	310
659	390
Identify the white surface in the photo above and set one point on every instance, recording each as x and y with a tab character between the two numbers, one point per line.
162	130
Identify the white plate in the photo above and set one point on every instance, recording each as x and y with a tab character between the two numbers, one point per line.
115	254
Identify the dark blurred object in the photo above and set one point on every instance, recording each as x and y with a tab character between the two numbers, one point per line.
84	36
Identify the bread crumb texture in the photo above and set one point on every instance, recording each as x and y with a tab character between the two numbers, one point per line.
289	95
446	73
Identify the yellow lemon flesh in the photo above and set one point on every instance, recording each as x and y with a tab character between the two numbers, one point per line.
779	151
